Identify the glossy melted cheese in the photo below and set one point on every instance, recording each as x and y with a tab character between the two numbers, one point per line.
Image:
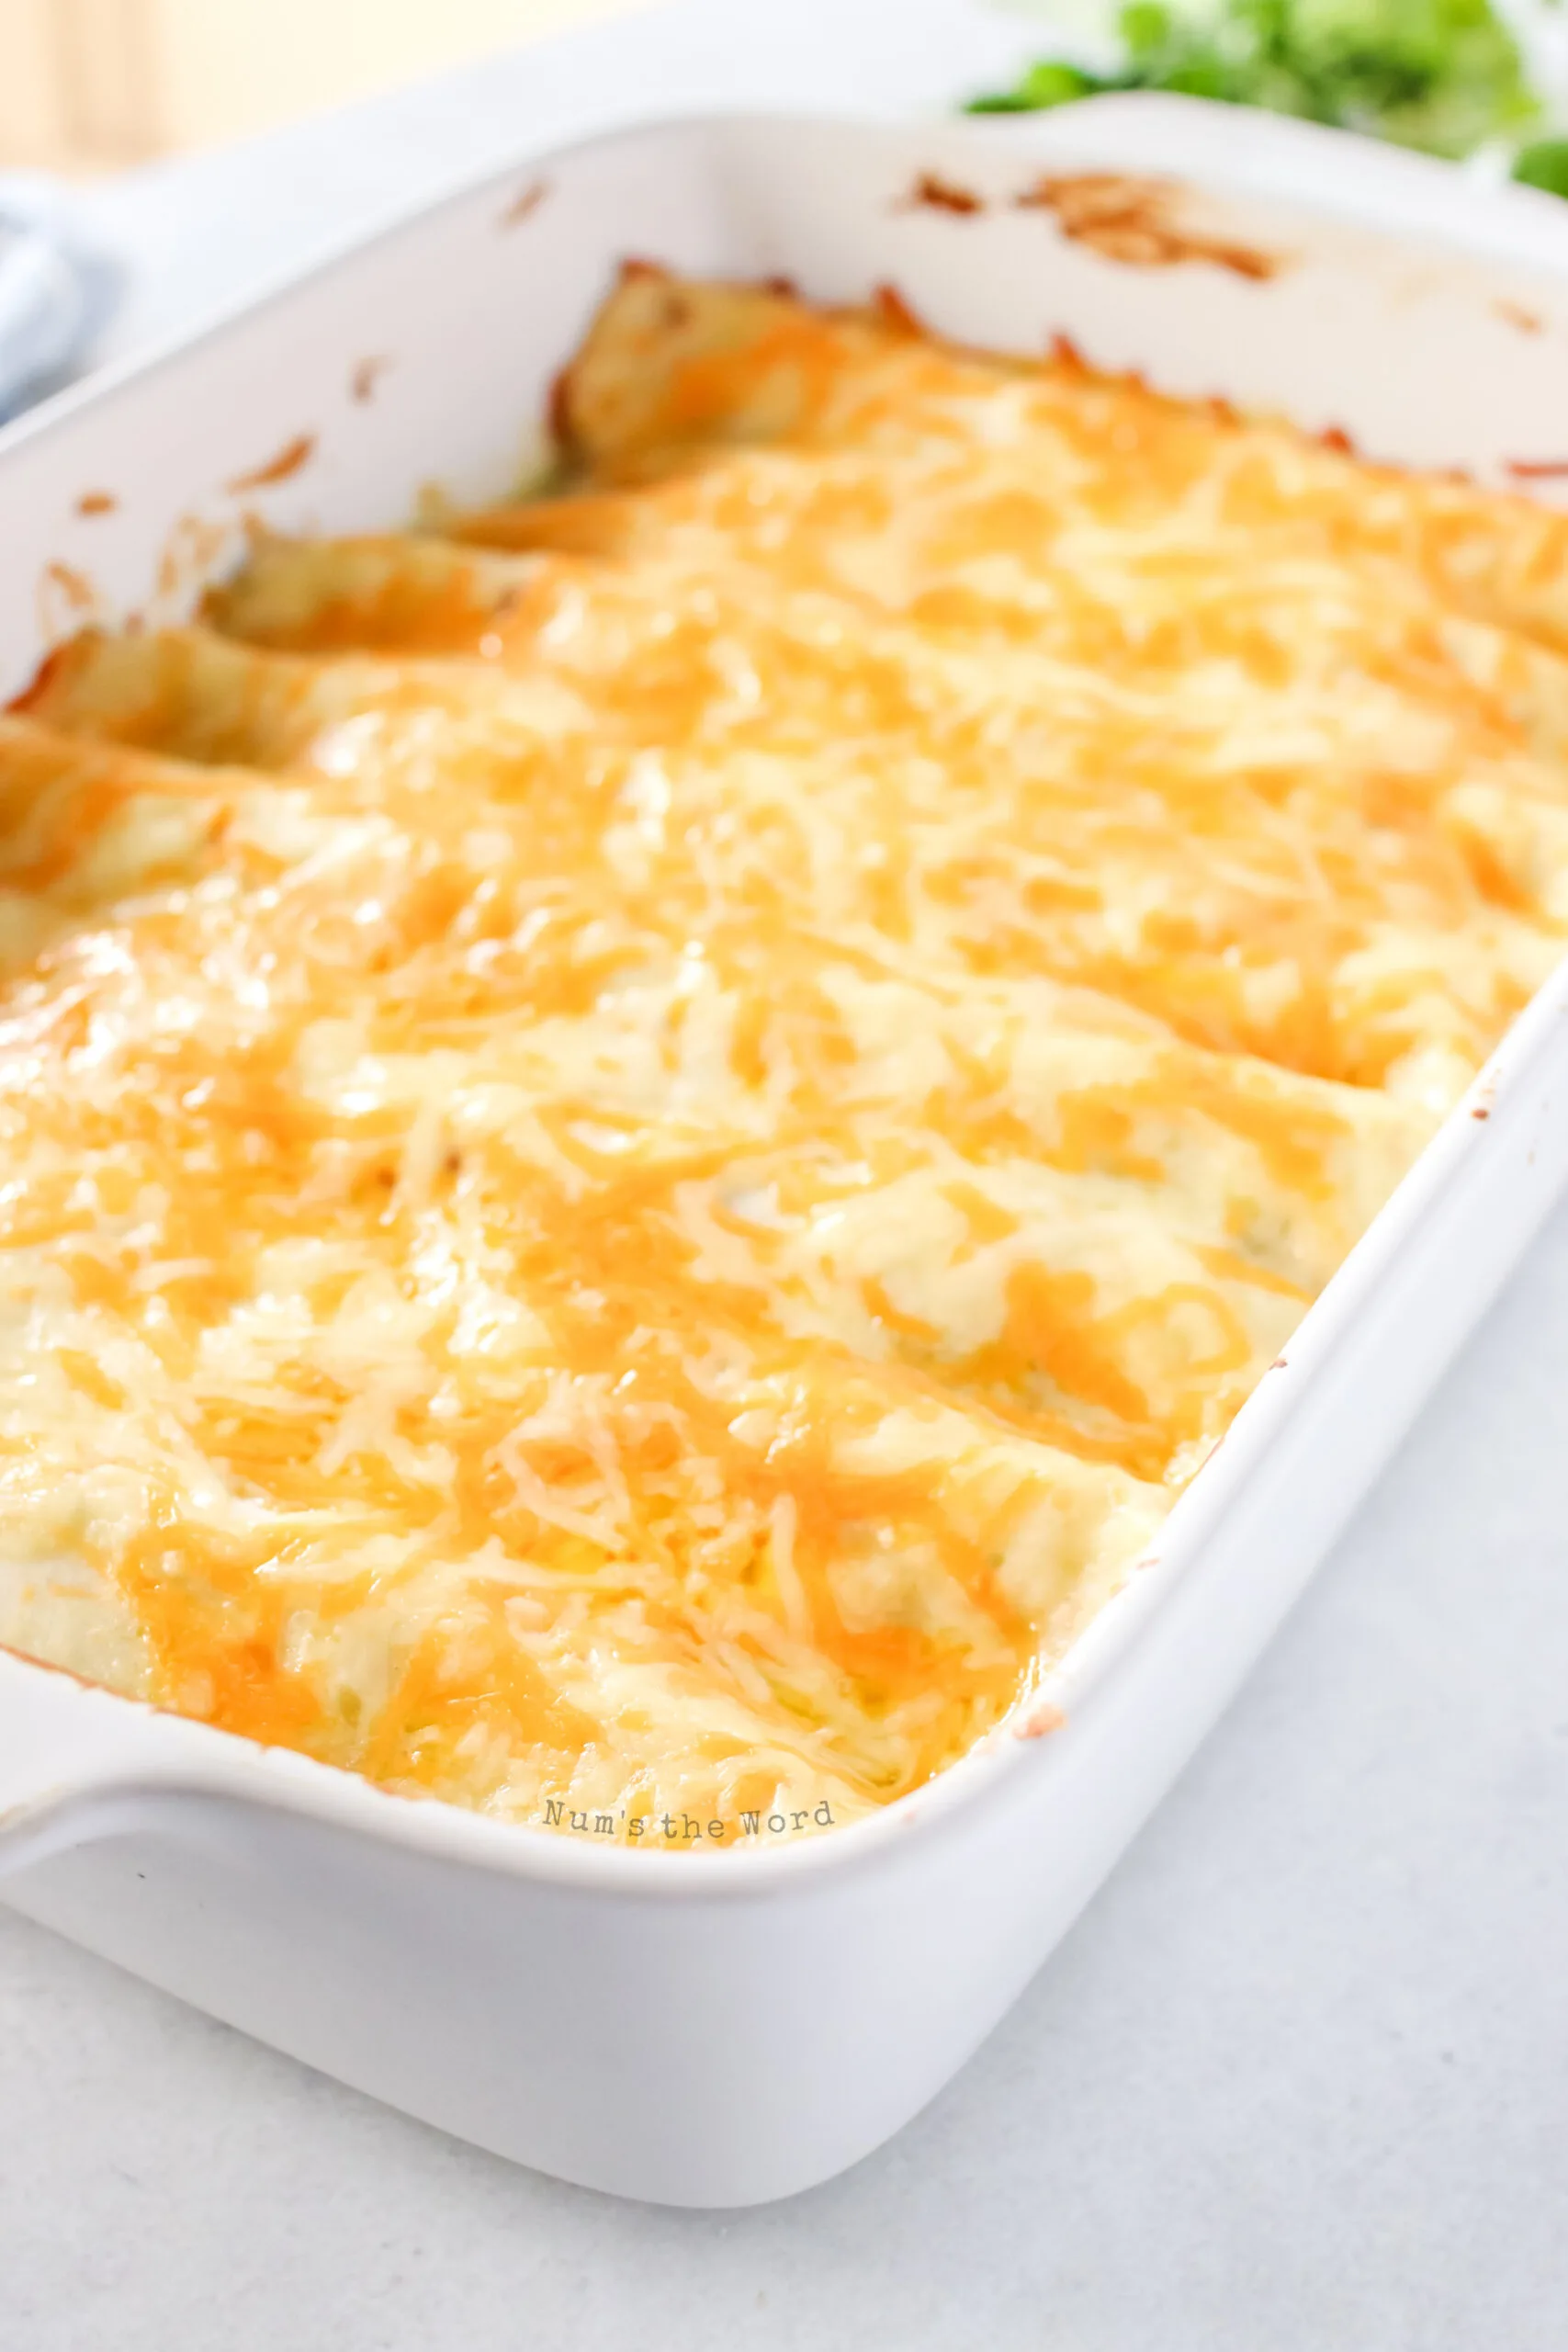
640	1143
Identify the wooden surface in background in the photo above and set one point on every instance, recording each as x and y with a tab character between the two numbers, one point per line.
93	85
78	89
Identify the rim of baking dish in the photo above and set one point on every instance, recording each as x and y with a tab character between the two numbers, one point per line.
169	1757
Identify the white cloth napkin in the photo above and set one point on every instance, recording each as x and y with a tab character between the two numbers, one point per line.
57	286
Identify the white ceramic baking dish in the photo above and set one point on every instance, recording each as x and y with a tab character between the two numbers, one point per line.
723	2030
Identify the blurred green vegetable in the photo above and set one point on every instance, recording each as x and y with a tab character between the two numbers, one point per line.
1544	164
1043	86
1442	75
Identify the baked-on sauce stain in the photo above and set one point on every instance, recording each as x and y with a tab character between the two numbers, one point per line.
1134	221
367	373
525	204
932	193
75	586
291	459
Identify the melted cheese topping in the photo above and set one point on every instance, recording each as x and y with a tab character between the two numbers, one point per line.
642	1142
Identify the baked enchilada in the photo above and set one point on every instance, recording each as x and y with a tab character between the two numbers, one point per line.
644	1137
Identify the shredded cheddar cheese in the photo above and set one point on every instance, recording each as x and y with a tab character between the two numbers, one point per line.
640	1143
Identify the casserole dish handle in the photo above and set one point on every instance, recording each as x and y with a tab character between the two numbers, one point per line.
64	1748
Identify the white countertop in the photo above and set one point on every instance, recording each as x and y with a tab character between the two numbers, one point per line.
1297	2083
